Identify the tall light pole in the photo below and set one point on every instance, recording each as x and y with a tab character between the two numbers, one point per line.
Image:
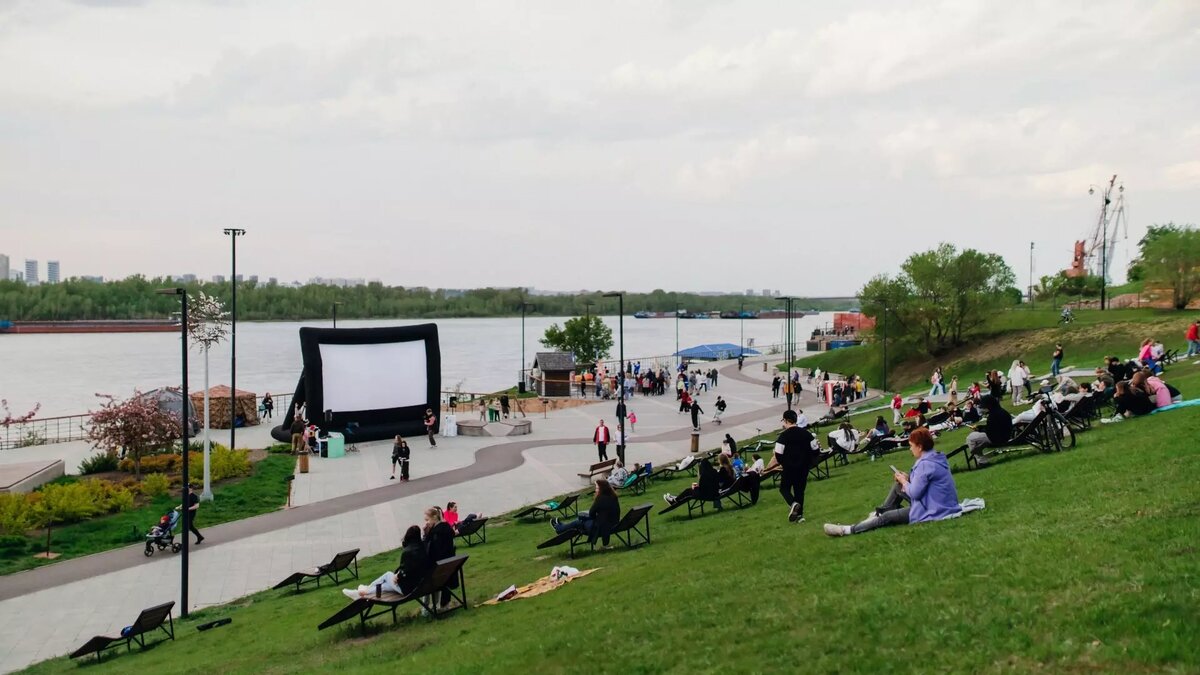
335	306
234	233
742	331
185	423
678	358
1031	305
788	352
587	324
885	311
620	295
521	376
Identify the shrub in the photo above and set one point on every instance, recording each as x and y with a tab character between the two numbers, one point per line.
223	463
13	543
16	517
155	485
71	503
98	463
164	463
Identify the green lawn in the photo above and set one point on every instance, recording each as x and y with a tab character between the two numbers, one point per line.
1083	561
261	492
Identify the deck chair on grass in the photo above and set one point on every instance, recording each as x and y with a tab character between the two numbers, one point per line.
629	531
473	531
150	620
566	508
635	486
346	561
1041	434
443	576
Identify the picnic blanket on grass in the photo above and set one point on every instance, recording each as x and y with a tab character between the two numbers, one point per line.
543	585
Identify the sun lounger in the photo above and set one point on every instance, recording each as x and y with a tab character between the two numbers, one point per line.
628	531
636	486
346	561
473	531
150	620
426	595
567	507
1041	434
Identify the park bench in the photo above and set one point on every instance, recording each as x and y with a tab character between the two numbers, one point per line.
599	469
473	531
628	531
426	594
150	620
569	506
346	561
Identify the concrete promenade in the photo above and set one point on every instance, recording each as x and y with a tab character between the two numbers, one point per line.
350	503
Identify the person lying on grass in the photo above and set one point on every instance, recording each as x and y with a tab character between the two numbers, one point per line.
596	521
928	488
406	578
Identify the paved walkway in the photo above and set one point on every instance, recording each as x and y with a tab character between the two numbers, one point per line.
49	611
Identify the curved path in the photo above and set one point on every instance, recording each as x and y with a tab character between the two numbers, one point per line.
489	460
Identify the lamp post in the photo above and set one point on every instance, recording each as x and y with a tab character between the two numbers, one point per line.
335	306
1031	305
885	363
788	341
521	376
678	358
183	418
620	295
234	233
742	331
587	323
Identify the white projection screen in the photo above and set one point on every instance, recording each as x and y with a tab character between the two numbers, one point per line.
357	377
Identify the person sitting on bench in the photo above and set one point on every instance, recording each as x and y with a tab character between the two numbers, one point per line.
928	488
406	578
997	429
450	516
605	512
619	475
705	486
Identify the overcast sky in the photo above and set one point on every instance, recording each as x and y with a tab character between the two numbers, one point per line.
688	145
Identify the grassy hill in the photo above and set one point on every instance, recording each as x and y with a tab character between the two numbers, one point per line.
1083	561
1025	334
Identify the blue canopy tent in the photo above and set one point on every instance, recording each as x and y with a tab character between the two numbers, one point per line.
715	352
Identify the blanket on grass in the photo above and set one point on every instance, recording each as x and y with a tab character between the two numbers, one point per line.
544	585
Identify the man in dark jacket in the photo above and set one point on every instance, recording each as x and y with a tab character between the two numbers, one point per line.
794	452
997	429
696	413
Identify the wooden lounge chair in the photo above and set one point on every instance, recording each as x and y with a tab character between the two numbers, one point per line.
155	618
346	561
473	531
568	507
628	531
426	595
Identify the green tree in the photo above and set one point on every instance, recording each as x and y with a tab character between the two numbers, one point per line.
1172	258
1137	269
941	297
588	338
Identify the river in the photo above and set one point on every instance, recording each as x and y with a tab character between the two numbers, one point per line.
63	372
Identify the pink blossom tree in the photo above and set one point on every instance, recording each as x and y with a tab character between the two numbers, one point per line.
136	425
8	419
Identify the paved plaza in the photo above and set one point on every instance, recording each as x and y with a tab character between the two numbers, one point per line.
350	503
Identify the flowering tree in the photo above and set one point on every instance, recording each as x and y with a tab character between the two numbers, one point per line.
136	425
9	419
208	324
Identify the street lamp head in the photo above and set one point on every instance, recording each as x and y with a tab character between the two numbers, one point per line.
170	291
235	231
614	294
1091	190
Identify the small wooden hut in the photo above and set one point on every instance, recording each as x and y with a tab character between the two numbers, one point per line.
556	371
218	407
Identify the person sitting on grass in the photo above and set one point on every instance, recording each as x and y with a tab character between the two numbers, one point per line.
928	488
1158	391
450	515
619	475
997	430
704	488
598	520
1130	402
970	412
406	578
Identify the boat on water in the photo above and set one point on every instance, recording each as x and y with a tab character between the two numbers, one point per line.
782	313
91	326
654	315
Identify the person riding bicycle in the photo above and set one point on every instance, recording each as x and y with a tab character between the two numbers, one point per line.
1067	316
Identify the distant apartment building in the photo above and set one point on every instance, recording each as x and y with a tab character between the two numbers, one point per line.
766	292
749	291
237	279
5	272
93	279
52	272
31	271
218	278
188	278
272	281
254	280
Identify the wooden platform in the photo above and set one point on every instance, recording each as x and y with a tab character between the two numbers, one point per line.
26	476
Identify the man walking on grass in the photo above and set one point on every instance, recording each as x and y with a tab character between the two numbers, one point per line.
1193	339
794	451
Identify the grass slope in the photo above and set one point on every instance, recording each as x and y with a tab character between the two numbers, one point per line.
1084	561
261	492
1025	334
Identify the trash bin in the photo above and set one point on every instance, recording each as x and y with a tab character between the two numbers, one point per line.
764	367
521	387
304	463
695	441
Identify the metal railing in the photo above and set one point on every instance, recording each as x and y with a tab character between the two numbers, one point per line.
41	431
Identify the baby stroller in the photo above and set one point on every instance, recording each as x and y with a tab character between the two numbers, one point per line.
162	535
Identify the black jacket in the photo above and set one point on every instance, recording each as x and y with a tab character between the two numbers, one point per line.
439	543
797	449
414	565
999	426
400	452
605	512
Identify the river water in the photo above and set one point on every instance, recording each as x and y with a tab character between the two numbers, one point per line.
63	372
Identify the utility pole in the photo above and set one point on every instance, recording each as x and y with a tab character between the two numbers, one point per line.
1031	301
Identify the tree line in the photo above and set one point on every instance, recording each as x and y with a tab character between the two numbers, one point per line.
134	298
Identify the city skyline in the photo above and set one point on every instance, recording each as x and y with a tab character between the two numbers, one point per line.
806	146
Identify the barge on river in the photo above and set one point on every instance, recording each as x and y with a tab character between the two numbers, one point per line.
97	326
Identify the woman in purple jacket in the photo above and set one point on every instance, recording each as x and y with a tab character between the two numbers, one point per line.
928	488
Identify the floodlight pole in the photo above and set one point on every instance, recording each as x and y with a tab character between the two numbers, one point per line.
620	295
885	363
742	332
587	322
521	376
788	343
1031	301
233	233
335	306
183	418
